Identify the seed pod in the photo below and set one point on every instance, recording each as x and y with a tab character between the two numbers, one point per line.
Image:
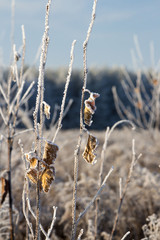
32	158
89	152
90	108
47	178
50	152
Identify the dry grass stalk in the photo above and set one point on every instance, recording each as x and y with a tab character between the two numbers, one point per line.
103	158
142	95
46	234
41	170
52	222
80	234
94	198
65	91
34	215
125	235
12	104
12	26
124	190
25	193
25	190
39	108
77	150
11	120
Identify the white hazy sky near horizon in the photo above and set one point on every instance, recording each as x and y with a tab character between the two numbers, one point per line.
111	40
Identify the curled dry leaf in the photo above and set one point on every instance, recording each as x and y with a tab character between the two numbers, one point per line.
90	108
47	171
4	189
47	110
32	158
47	178
89	152
50	152
32	175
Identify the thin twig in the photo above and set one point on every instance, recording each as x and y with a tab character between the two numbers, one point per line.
74	198
103	155
107	135
134	160
24	210
120	188
3	94
125	235
3	117
65	91
39	107
24	131
33	214
53	221
23	53
26	93
85	60
94	198
77	150
80	234
12	26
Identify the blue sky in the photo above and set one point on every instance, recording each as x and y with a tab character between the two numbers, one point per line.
116	23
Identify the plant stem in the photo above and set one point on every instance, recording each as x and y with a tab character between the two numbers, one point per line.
77	150
74	199
10	144
39	109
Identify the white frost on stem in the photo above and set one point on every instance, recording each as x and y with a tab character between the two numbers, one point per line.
65	90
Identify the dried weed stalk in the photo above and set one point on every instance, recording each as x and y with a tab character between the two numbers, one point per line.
124	189
77	150
39	109
125	235
65	91
41	169
142	94
13	98
103	158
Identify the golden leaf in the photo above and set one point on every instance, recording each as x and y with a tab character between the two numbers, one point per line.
4	189
50	152
87	116
32	175
47	178
32	158
89	152
90	108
